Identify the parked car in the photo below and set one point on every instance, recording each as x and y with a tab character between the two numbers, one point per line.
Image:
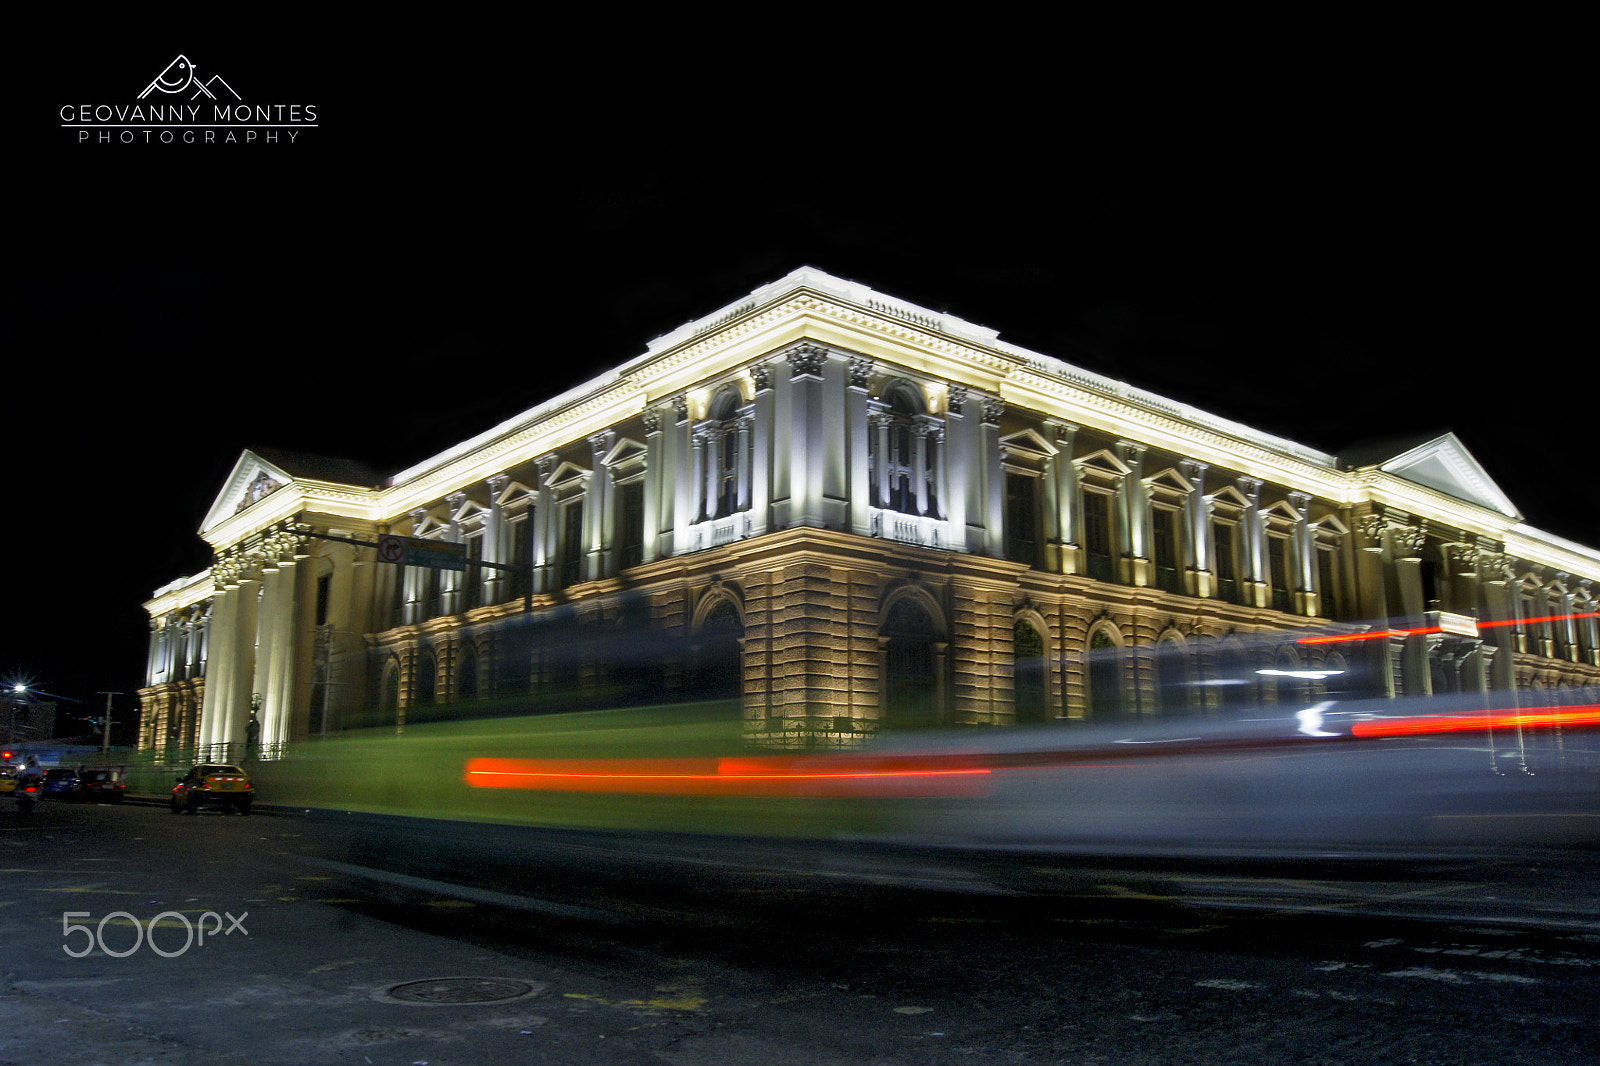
213	785
60	782
101	785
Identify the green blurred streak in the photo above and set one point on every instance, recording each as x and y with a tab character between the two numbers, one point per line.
421	773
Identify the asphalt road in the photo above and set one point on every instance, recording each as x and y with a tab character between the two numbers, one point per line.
333	941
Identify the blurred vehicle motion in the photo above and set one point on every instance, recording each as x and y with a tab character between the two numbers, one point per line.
60	782
101	785
1334	777
222	786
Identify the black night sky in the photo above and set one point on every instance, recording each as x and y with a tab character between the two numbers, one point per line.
1331	250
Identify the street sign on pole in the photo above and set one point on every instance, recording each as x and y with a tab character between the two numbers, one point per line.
413	551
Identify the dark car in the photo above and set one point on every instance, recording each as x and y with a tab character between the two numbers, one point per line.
101	786
60	782
213	785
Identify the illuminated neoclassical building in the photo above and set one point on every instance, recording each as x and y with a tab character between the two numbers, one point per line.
843	513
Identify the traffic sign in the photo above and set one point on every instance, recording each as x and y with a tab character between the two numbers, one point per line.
391	549
413	551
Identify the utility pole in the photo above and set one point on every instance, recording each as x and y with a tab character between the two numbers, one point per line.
105	743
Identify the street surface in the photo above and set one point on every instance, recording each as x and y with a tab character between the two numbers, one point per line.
331	940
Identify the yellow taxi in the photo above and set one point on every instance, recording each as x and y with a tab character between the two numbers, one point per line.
213	785
8	780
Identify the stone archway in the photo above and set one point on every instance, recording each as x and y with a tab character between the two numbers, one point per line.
911	643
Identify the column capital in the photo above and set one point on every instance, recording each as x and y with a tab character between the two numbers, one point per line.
860	371
806	360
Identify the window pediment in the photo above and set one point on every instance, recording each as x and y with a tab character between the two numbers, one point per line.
1104	464
1169	482
626	452
1027	444
1228	499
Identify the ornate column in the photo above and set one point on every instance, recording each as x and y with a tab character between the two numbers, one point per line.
960	456
1200	577
544	521
1303	551
993	480
1406	543
807	364
761	437
919	463
1063	547
1258	590
654	467
285	635
1497	592
599	519
684	511
494	540
1134	503
452	583
857	417
744	431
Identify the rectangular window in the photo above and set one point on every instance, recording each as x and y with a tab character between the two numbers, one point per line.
728	475
571	562
1165	549
1227	574
521	537
1097	535
1278	550
1022	537
473	578
630	521
1327	579
324	586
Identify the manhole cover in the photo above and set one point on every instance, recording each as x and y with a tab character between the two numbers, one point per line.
455	991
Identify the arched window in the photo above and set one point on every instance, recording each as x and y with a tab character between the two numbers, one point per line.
722	441
1030	679
425	678
910	677
1173	689
718	672
904	451
1105	677
1236	681
467	674
391	691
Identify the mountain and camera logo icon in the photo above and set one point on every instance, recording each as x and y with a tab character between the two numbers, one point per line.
179	79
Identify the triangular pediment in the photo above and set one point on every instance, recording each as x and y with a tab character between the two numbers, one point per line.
260	472
1228	498
626	451
470	511
1103	461
567	474
1028	442
1444	465
253	479
1171	479
1282	510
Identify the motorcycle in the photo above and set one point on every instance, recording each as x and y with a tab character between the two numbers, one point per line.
27	795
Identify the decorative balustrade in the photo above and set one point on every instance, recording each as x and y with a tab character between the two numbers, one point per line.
920	530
